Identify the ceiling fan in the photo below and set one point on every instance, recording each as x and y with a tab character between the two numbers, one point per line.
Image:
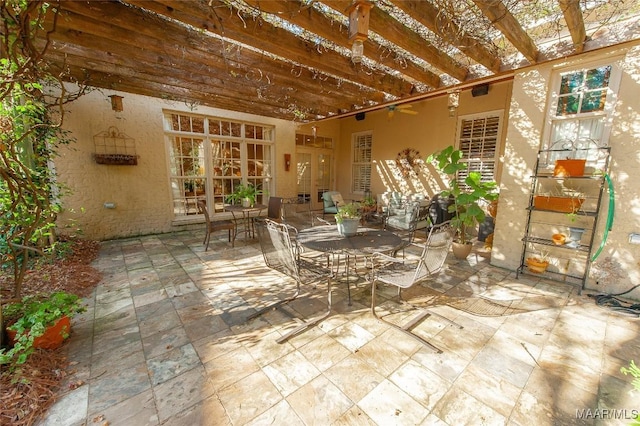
405	109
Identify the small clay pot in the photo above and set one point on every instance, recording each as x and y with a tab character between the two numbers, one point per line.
558	239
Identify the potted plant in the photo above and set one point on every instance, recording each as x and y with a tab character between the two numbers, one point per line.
465	198
38	322
538	263
244	194
348	219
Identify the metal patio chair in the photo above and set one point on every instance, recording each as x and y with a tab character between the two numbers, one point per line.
404	273
281	254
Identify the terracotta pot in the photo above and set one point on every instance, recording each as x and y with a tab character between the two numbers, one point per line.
558	239
536	265
53	335
558	204
569	167
460	250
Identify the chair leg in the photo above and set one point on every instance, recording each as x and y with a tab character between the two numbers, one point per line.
312	322
406	328
206	241
274	306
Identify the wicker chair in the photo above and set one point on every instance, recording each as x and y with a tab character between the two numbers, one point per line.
281	253
216	225
404	273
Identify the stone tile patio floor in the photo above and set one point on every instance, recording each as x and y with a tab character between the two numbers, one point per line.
165	341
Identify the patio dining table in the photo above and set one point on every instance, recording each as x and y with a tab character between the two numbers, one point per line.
245	216
367	241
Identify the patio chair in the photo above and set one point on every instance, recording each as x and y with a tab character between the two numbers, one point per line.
274	209
281	254
216	225
404	273
328	205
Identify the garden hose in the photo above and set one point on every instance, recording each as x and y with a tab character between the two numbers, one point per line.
610	214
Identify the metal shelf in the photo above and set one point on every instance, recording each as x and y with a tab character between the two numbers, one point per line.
532	244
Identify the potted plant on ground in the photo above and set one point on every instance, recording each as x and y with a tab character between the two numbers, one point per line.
244	194
348	219
466	197
38	322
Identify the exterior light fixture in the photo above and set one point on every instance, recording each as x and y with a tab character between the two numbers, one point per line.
453	102
358	13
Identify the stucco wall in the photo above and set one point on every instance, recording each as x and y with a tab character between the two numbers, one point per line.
141	193
431	129
616	269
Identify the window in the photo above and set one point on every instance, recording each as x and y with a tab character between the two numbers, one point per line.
361	162
581	102
209	157
478	139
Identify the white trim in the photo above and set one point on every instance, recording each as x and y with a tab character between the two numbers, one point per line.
610	102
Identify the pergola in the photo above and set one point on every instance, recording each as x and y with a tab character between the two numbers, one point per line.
293	59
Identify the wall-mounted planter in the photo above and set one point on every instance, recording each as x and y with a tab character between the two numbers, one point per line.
116	159
557	204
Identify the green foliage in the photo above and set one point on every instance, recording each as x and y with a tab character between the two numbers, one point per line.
31	316
467	199
348	211
242	192
634	371
31	114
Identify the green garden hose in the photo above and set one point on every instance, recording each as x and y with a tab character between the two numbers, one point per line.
610	214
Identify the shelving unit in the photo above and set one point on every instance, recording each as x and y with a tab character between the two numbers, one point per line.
569	262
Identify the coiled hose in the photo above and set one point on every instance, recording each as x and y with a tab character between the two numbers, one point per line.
610	214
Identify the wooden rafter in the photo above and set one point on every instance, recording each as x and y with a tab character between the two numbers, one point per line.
431	17
508	25
575	22
317	23
400	35
276	41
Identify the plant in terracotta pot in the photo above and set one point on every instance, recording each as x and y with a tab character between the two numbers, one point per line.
348	219
38	322
538	263
466	196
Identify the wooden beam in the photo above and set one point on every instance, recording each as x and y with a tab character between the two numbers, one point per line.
151	76
245	81
440	24
317	23
244	66
261	35
400	35
575	22
508	25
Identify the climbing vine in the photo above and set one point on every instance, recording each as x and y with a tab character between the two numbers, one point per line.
32	100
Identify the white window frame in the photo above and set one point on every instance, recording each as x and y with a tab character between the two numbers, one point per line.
553	119
480	160
359	167
184	206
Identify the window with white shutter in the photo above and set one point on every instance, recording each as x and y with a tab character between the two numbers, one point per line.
361	162
478	139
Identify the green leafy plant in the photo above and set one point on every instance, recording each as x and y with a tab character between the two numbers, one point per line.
242	192
634	371
466	198
32	107
348	211
31	316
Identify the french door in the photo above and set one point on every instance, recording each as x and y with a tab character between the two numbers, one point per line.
315	174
